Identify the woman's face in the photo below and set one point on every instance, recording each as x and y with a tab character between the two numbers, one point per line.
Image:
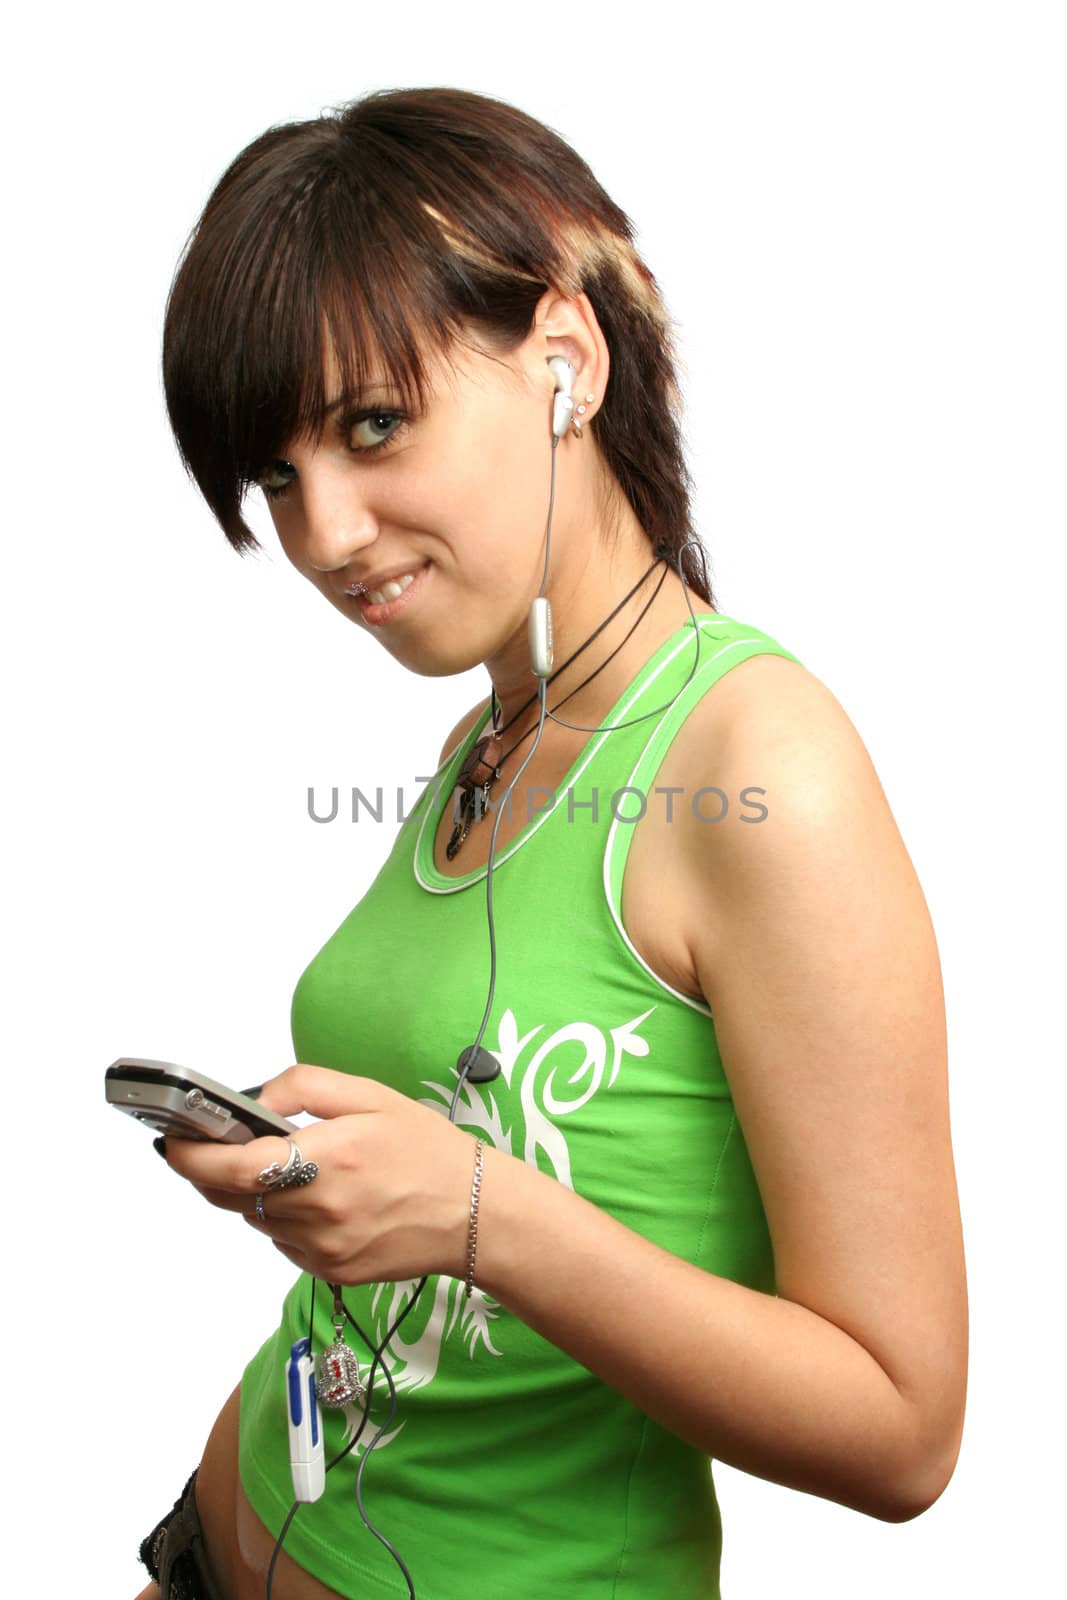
455	499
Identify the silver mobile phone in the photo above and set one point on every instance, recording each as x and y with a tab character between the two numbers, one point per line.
183	1104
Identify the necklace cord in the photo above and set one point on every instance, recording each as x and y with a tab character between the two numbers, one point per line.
574	656
606	661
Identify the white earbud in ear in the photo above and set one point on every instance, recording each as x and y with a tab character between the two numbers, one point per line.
540	621
563	404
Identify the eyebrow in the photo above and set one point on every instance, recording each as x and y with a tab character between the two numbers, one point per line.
354	397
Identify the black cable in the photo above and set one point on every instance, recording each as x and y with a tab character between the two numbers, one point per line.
606	662
611	727
276	1552
585	645
378	1360
379	1356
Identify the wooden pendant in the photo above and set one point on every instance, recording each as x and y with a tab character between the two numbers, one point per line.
480	766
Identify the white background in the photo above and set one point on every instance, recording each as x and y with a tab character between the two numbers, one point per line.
856	214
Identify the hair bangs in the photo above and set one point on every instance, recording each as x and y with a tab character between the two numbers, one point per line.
285	307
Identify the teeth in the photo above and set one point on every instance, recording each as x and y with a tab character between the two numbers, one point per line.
389	591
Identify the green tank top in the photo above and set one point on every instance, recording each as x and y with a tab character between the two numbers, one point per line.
509	1468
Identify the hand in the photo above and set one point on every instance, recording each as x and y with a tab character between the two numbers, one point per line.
392	1197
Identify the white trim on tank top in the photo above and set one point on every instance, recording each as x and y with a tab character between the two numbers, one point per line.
616	917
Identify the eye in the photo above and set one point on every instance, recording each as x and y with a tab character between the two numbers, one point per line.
268	482
367	431
363	432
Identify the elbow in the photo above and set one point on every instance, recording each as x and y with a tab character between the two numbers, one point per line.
925	1485
907	1509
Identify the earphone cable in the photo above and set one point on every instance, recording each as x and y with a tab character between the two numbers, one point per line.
489	899
378	1359
605	663
379	1356
643	579
548	520
541	696
633	721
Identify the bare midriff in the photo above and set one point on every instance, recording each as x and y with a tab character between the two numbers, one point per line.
238	1545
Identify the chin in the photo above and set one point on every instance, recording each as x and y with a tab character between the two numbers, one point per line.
420	656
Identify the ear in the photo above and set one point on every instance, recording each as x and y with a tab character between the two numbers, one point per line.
569	327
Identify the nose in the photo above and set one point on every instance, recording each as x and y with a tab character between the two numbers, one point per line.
338	519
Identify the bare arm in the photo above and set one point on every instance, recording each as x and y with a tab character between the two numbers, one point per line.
820	966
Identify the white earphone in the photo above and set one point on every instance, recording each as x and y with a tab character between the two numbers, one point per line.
563	404
540	619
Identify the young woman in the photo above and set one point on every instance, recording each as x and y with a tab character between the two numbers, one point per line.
692	1195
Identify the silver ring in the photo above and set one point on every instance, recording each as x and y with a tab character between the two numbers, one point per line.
261	1215
277	1176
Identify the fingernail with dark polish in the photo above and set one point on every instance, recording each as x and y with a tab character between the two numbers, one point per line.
160	1146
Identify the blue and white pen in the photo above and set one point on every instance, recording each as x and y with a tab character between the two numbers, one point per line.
306	1452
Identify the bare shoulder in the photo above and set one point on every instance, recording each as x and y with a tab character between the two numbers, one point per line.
728	757
758	694
461	730
768	718
814	946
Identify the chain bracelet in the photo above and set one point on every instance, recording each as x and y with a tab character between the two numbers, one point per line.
472	1236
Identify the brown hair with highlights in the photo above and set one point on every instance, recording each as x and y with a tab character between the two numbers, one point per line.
388	227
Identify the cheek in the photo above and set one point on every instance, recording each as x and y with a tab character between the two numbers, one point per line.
293	550
285	534
497	490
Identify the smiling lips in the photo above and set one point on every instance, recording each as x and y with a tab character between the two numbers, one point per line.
388	591
392	589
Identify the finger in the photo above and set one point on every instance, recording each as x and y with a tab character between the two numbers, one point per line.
296	1247
299	1258
320	1091
290	1230
245	1204
225	1199
305	1220
235	1167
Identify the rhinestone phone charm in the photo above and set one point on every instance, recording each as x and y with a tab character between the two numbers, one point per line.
337	1379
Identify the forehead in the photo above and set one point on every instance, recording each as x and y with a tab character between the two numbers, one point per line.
366	371
442	367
